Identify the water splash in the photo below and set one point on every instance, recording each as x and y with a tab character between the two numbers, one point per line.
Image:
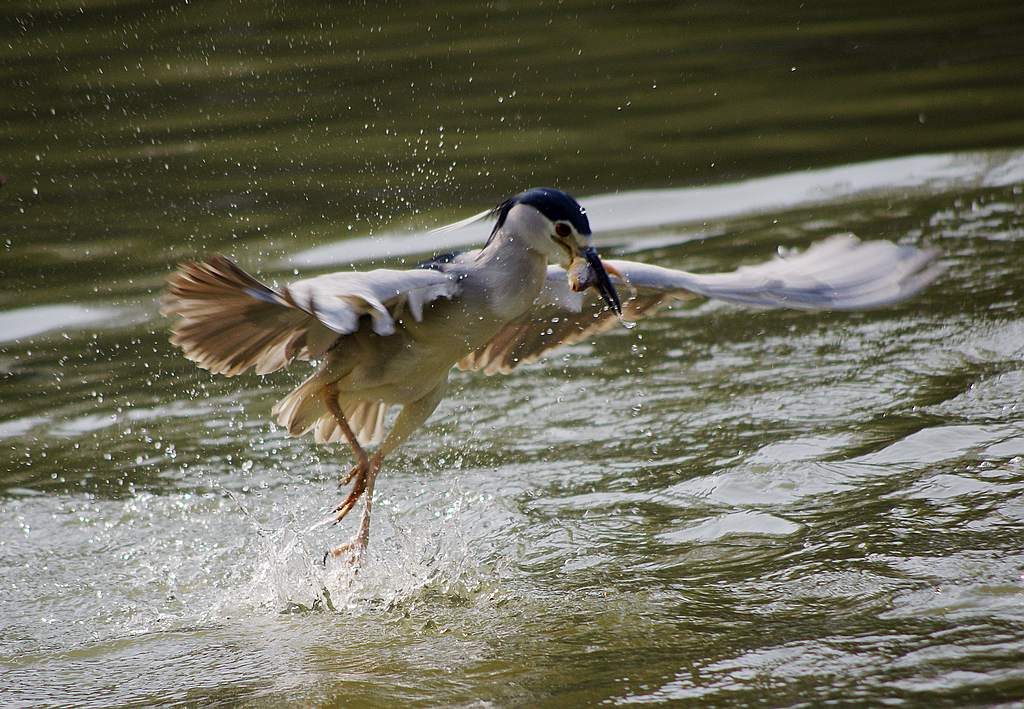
410	558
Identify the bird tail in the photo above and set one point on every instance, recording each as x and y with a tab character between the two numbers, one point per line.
304	409
230	322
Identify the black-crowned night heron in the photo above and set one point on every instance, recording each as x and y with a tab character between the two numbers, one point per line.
390	337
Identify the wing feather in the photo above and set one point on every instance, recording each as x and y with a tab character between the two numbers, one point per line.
839	273
231	323
560	317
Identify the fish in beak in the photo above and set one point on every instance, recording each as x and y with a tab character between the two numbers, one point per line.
587	270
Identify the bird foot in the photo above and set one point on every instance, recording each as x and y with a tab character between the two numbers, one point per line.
358	477
352	551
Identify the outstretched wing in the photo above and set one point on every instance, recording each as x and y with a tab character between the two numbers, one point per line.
230	322
839	273
559	317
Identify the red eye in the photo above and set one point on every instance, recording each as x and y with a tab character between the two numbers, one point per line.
562	229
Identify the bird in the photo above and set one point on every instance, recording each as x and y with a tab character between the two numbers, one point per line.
388	338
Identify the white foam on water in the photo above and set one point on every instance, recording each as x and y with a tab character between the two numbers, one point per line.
410	557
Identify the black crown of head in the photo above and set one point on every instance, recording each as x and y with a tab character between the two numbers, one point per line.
553	204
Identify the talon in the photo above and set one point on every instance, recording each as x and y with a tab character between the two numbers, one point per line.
342	510
351	474
359	473
355	548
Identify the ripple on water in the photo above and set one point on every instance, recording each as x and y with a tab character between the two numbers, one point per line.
20	426
28	322
745	523
941	443
647	209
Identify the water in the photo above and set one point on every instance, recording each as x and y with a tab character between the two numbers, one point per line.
718	506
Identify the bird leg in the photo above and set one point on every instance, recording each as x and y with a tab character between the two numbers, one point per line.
361	471
364	485
365	473
359	475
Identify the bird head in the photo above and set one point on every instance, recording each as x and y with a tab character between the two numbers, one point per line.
554	224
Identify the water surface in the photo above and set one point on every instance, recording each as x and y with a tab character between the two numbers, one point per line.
718	507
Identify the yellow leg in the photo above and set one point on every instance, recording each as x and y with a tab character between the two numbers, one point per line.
411	418
361	472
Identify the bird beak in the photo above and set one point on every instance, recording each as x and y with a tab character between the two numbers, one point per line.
602	282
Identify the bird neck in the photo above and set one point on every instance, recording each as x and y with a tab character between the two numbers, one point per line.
512	271
512	251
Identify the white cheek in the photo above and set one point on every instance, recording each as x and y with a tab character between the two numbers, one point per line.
545	245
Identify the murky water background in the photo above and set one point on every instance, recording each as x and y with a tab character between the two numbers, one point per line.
721	506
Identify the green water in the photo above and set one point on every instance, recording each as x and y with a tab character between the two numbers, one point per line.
719	507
